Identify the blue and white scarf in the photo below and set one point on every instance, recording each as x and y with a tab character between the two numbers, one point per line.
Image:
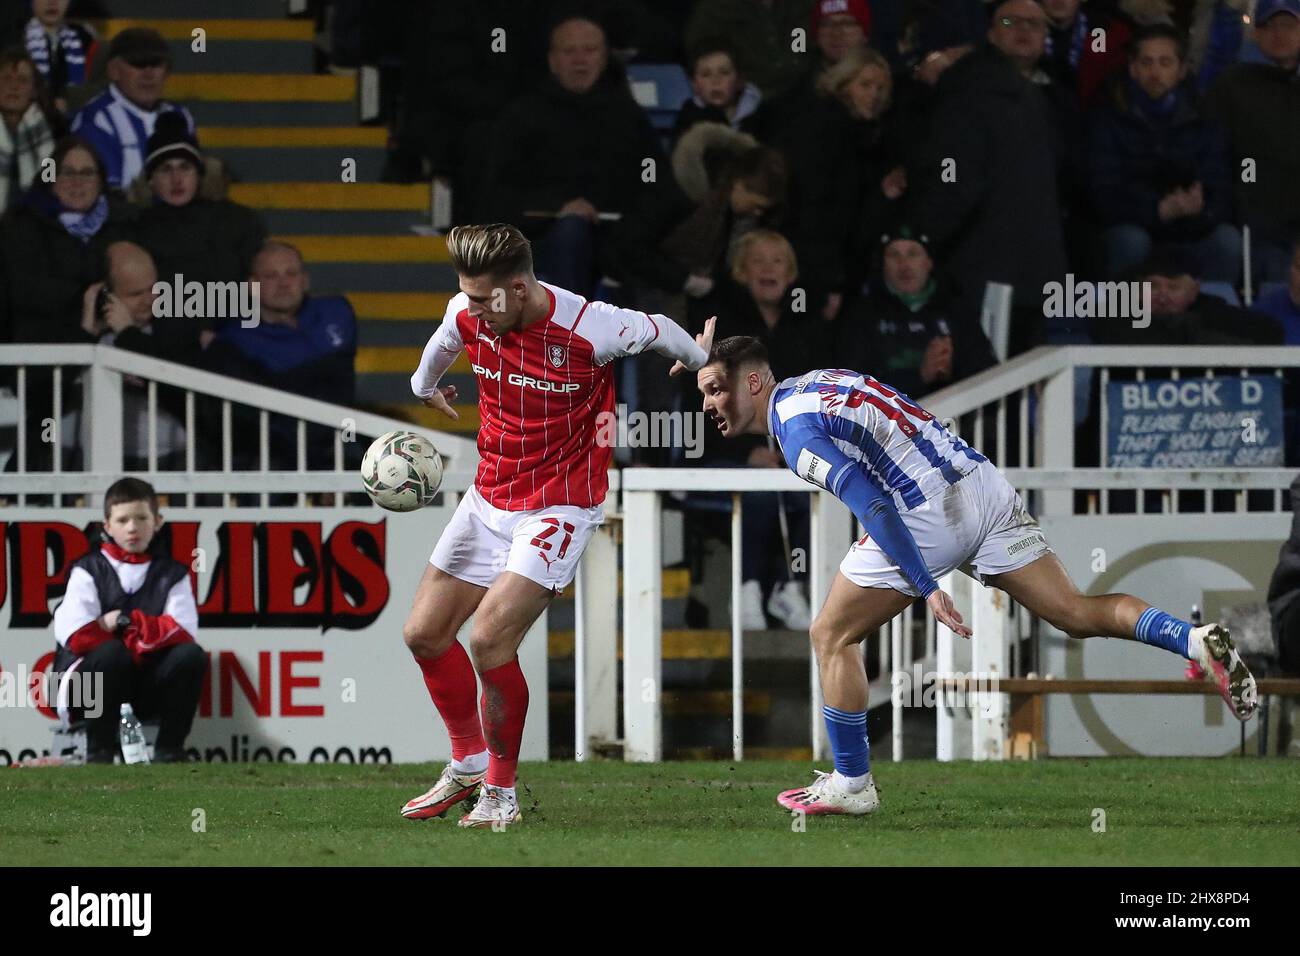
84	225
1077	39
70	42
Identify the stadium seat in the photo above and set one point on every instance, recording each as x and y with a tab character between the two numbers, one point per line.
1222	290
660	89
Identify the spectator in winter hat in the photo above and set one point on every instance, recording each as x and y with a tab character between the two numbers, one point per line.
119	121
187	232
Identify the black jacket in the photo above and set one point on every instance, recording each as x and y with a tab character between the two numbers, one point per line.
1258	106
551	146
997	219
1208	321
880	336
1135	161
46	269
205	241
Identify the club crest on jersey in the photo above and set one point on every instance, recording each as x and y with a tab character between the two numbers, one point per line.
557	355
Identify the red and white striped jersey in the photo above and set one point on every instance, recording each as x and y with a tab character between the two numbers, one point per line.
541	392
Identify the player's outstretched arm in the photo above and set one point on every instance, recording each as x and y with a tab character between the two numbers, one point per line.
616	332
439	354
704	340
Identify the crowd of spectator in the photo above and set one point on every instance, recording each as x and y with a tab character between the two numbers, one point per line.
847	176
105	190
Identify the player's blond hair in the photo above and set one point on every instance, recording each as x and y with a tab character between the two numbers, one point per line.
496	250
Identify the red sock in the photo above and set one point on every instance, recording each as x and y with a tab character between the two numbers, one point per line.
451	683
505	705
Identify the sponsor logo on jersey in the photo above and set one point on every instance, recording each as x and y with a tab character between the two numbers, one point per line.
494	342
811	468
526	381
557	355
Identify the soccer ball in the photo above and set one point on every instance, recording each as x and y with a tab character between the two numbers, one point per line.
401	471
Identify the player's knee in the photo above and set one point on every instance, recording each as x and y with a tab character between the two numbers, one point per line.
826	638
426	640
1071	617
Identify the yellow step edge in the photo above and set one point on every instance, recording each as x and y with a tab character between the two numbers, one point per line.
333	196
250	137
426	417
370	248
403	359
261	87
678	645
674	584
409	306
215	29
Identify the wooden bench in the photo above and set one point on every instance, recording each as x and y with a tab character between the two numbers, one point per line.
1027	725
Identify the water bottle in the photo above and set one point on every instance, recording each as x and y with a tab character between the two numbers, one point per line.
131	735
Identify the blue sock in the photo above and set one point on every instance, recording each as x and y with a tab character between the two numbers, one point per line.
848	736
1159	629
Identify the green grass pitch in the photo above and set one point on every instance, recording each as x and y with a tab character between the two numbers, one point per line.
1226	812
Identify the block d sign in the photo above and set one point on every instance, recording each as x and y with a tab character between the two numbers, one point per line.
1195	423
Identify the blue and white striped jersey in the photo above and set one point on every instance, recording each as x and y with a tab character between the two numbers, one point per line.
835	424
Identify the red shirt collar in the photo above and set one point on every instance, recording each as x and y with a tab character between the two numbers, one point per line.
112	549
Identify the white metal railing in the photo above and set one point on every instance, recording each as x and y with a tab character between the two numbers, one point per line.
103	370
1040	382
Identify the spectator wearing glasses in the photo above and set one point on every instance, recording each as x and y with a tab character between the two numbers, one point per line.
997	219
119	121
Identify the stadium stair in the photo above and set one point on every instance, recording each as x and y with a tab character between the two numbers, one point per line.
284	131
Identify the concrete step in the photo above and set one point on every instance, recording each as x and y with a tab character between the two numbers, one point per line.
176	26
322	164
422	311
291	88
269	113
335	196
355	222
390	249
378	276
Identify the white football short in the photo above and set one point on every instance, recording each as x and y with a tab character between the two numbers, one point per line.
544	545
979	521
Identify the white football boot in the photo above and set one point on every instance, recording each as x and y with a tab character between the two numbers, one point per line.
824	795
495	809
451	788
1225	669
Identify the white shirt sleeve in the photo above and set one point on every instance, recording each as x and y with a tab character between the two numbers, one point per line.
615	332
439	352
80	605
180	605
